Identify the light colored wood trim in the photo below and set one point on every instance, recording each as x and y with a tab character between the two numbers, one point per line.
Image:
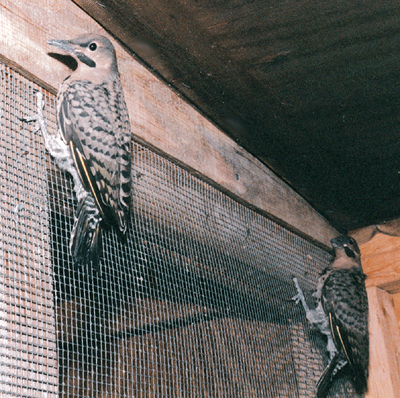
396	302
159	116
381	262
363	235
384	380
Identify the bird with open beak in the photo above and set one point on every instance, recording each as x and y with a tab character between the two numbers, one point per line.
93	143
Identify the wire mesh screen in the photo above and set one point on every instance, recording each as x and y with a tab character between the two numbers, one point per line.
28	366
195	302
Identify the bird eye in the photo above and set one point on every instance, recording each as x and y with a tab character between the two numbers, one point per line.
351	241
93	47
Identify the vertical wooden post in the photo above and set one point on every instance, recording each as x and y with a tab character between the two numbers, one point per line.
380	260
396	300
384	381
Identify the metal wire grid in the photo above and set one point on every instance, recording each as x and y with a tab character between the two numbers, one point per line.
28	366
250	261
196	301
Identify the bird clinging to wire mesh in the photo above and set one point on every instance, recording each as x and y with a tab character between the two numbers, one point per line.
93	143
342	315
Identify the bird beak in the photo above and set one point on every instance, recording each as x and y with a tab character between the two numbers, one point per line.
335	243
71	49
63	45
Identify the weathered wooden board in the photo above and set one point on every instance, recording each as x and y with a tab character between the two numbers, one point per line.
381	262
396	303
380	255
384	381
159	116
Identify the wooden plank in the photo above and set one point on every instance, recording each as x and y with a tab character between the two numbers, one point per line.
184	361
269	83
384	380
159	116
381	262
363	235
396	302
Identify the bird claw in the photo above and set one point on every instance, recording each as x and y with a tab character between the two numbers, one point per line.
38	116
299	297
28	119
296	298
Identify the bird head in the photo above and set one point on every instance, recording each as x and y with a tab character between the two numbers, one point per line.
345	246
95	54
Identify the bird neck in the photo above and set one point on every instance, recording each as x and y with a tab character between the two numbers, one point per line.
345	262
96	75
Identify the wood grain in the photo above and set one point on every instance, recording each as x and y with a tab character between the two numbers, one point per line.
396	303
288	80
159	116
381	262
384	381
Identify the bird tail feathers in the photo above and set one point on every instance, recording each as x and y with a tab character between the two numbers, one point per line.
86	245
325	380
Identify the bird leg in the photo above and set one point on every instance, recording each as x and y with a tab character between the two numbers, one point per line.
317	318
300	296
57	148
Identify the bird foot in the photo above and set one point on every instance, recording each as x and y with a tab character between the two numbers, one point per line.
38	116
56	147
41	124
299	297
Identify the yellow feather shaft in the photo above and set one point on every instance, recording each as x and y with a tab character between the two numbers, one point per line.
82	162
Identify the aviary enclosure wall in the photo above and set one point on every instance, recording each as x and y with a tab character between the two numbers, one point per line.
196	301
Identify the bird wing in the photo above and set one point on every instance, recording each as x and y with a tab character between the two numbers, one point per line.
99	138
345	302
340	335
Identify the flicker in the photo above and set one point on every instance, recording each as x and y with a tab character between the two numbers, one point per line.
93	143
342	315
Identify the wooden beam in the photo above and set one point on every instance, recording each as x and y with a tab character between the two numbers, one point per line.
159	116
381	262
363	235
396	302
384	380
